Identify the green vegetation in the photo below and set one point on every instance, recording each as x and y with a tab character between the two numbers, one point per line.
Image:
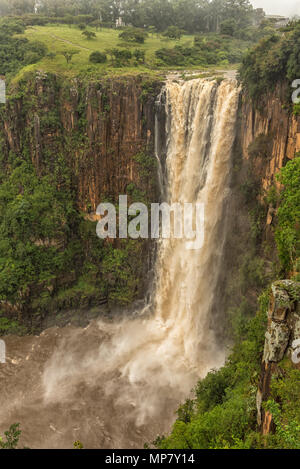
50	256
134	35
159	15
16	53
287	233
43	236
274	60
89	35
11	326
181	33
78	445
12	437
35	220
156	53
119	57
173	32
285	407
207	51
222	413
98	57
68	55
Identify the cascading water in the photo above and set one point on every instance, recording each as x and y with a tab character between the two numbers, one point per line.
115	385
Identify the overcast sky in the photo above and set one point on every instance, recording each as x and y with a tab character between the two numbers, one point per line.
278	7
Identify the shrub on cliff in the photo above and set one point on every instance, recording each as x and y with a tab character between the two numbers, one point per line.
287	232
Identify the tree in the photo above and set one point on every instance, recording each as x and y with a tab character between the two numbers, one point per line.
5	7
173	32
97	57
139	55
119	57
69	54
17	7
228	27
240	10
89	35
134	35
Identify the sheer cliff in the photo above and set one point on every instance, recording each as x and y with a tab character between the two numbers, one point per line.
87	142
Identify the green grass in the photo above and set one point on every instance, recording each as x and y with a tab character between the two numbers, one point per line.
58	38
62	37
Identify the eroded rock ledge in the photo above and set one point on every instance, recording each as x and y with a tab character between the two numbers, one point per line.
282	333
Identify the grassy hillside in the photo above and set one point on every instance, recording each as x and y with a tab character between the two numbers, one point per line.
59	38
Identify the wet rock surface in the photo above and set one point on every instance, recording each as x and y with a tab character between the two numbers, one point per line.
283	330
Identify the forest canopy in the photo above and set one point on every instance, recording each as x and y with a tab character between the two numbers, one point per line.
189	15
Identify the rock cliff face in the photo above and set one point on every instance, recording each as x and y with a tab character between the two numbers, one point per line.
269	138
99	137
282	339
275	122
97	127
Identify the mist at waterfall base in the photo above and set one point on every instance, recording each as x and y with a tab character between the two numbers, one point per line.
117	385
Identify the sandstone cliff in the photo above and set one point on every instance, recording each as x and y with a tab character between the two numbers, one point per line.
99	137
275	121
282	339
98	127
269	138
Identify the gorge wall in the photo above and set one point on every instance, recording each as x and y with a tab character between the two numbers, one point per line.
274	120
98	127
96	141
269	138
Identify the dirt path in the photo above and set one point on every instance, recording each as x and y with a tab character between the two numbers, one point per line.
69	42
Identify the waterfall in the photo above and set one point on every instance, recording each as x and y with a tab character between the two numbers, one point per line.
201	119
126	379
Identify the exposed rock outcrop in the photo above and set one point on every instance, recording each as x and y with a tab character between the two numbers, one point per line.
282	339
